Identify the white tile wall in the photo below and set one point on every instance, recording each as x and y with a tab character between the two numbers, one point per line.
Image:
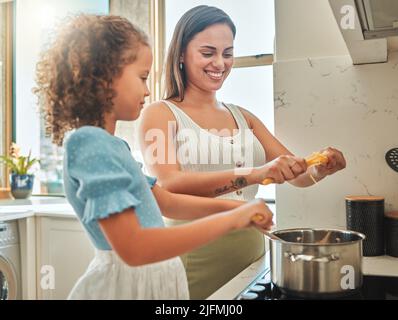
330	102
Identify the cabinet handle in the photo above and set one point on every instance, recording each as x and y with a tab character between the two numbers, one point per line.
3	227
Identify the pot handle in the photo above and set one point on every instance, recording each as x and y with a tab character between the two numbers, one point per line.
309	258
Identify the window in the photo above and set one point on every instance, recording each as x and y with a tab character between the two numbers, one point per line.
138	12
5	83
35	20
250	84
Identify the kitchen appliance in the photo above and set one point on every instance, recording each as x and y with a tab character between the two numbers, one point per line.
10	272
373	288
365	26
316	262
377	18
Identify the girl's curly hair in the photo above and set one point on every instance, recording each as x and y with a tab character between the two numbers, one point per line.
74	76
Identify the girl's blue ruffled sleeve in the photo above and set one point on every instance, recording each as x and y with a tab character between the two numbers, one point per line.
103	181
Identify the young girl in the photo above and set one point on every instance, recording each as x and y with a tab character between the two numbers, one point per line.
94	74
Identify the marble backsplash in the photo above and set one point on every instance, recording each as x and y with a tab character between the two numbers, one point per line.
331	102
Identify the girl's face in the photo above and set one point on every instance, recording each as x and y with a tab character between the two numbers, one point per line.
131	87
208	58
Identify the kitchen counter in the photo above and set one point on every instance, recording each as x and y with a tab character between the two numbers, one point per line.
35	206
380	266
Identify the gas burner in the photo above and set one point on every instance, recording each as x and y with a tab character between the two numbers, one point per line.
374	288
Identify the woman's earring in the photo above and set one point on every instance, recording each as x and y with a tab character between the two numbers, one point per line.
181	66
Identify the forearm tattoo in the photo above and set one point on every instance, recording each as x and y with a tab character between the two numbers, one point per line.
239	183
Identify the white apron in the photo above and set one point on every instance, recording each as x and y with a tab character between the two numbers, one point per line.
109	278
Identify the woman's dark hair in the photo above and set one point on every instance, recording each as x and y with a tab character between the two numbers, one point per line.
191	23
74	76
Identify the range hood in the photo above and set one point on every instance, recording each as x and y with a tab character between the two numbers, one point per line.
379	18
365	26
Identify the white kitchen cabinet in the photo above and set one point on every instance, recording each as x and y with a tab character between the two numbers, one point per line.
63	252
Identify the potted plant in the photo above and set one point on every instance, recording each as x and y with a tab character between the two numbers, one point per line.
21	180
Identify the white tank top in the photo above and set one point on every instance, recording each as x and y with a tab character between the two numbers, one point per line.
200	150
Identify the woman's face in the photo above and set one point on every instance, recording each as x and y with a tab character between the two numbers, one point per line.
131	87
208	58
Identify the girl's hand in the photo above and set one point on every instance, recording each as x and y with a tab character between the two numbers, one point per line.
336	162
244	215
281	169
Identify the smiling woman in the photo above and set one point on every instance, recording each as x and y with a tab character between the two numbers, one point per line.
201	56
250	82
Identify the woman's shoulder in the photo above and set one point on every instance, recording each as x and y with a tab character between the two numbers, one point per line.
158	107
157	112
249	117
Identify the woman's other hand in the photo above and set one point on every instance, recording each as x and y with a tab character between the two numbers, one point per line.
281	169
336	162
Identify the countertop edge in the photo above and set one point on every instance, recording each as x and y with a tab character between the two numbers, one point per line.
16	216
20	209
23	215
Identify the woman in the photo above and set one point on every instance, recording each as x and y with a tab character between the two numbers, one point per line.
199	60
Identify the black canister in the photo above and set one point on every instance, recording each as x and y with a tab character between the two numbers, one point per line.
365	214
391	233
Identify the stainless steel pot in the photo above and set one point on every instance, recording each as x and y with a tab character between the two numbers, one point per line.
316	262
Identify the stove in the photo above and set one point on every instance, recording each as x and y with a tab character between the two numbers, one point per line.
373	288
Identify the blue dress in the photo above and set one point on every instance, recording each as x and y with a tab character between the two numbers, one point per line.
102	178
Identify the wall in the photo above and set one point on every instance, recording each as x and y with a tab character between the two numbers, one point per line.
306	28
321	100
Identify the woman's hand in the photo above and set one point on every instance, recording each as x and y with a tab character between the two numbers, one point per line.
336	162
281	169
254	213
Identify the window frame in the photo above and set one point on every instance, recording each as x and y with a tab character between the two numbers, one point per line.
157	14
158	34
8	66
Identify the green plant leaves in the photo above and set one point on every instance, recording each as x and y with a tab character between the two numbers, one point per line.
20	165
